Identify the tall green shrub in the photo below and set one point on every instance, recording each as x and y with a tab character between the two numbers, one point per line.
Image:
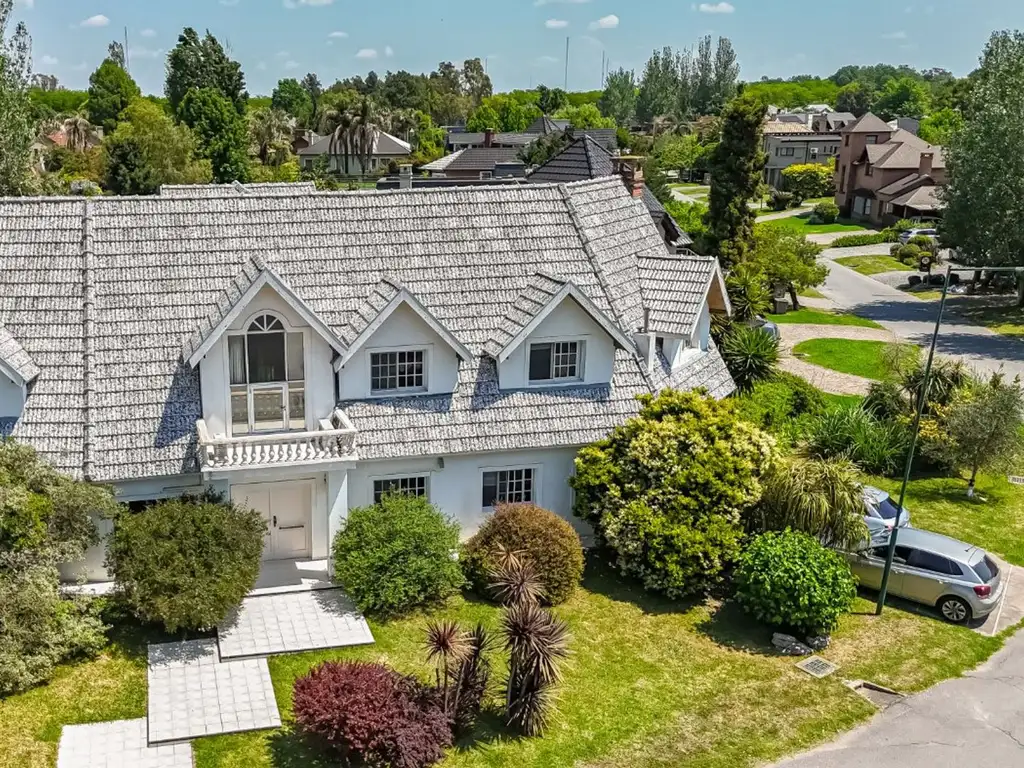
185	563
750	354
667	490
397	555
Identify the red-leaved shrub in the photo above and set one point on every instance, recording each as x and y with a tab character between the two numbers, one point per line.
369	714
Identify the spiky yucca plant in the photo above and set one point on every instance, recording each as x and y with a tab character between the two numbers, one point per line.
537	643
463	670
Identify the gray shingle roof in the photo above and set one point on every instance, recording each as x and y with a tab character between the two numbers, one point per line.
14	357
479	159
537	294
673	291
384	145
867	123
284	188
545	125
472	139
103	293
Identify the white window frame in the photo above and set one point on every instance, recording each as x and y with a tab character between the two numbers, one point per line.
288	328
535	468
581	361
424	348
399	476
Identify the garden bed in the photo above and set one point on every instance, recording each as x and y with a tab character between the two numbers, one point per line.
874	265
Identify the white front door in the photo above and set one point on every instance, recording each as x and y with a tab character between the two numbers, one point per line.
287	509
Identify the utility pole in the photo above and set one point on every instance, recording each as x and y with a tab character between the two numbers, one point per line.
602	68
127	63
565	86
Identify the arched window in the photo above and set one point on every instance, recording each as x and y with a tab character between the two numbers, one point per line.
267	371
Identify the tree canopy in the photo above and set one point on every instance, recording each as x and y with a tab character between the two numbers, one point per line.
903	97
295	101
196	63
111	90
220	131
17	128
618	101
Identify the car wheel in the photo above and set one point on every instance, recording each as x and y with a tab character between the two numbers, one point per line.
954	610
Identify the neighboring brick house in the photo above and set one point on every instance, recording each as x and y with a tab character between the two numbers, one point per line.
884	174
797	149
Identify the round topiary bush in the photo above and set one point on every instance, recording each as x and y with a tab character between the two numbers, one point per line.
546	541
791	581
909	254
367	714
397	555
827	213
185	563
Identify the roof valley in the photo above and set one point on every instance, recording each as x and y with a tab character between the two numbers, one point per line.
88	341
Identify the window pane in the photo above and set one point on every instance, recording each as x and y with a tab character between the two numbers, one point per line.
929	562
397	370
490	494
566	359
540	362
236	359
296	407
411	486
268	409
239	411
266	357
296	360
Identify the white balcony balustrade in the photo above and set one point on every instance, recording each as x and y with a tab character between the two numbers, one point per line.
335	440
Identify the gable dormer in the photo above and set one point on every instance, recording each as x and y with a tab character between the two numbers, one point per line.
17	372
554	335
395	347
264	357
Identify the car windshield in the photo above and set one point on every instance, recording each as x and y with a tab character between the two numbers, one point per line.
886	509
986	570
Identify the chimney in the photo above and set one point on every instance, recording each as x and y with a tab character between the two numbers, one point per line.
488	138
927	159
405	176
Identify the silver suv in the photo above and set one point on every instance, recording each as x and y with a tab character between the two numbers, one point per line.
959	579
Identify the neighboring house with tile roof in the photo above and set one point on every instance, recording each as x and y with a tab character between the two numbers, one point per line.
478	163
585	158
884	174
304	354
386	149
784	150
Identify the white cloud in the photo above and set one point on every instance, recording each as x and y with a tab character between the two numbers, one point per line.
338	35
26	3
722	7
611	21
895	35
291	64
282	54
389	51
99	20
142	52
229	3
80	67
262	66
366	53
49	61
569	2
148	33
556	24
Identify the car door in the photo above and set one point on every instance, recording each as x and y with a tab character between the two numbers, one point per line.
926	577
868	566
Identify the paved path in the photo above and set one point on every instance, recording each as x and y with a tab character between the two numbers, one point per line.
677	195
827	238
975	720
825	379
781	214
914	320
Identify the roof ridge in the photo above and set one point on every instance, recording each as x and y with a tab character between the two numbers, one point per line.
88	339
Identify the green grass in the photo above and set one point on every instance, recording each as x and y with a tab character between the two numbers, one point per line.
822	317
842	401
859	358
810	293
873	265
1007	319
802	225
924	295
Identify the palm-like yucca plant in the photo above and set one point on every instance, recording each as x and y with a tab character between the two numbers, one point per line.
268	133
365	132
537	643
513	580
463	669
748	294
80	133
750	354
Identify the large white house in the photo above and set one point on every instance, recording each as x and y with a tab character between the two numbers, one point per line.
303	354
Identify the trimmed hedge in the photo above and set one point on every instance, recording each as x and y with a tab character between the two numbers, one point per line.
548	543
789	580
853	241
397	555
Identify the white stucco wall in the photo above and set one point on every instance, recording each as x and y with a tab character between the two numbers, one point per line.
214	373
457	488
12	398
567	322
403	329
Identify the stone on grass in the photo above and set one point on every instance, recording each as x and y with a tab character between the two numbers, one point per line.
789	645
818	642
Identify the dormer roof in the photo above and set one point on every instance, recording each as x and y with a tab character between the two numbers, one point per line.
675	289
15	362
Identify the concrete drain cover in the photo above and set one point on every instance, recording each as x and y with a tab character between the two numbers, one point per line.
878	695
817	666
1015	479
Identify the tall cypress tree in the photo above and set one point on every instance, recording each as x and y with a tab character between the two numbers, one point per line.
736	168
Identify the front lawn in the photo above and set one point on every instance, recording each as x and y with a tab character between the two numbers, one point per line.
873	265
802	224
822	317
859	358
1004	318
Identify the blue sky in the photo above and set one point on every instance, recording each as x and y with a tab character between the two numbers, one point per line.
522	40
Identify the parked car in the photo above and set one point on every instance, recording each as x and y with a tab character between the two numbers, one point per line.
962	581
765	325
880	511
908	234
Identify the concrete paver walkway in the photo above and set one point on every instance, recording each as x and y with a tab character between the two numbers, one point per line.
118	744
289	623
975	720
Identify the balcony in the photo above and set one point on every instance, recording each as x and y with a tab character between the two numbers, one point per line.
335	440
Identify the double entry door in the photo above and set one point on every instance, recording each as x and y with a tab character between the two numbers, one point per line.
287	509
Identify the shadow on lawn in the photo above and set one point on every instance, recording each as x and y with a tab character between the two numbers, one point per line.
601	577
131	636
729	626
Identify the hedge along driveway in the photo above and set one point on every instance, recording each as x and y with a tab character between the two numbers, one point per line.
652	682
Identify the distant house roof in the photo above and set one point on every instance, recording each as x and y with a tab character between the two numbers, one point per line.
473	139
903	151
606	137
585	158
545	125
912	181
219	190
480	159
385	145
809	137
441	163
674	290
778	127
868	123
791	117
921	199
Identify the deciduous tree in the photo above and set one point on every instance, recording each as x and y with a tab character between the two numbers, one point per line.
855	98
659	86
16	125
293	100
585	116
220	131
619	98
939	127
786	259
902	97
196	63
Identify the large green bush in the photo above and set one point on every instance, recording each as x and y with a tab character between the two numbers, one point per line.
397	555
826	213
791	581
186	562
667	490
750	354
878	446
809	180
546	541
781	405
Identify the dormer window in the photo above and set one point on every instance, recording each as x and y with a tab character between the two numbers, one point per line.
398	371
556	362
267	373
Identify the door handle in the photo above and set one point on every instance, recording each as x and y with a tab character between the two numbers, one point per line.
275	521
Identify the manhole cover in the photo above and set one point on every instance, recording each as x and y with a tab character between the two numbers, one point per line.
878	695
817	666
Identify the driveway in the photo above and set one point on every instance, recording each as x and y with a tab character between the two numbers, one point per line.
975	720
914	320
